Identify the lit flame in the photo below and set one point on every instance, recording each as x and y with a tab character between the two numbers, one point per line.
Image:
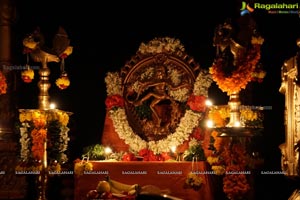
173	149
107	150
208	103
52	106
209	123
237	124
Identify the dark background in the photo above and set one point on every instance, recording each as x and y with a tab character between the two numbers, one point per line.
106	34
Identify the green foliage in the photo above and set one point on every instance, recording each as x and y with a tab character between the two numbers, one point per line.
195	152
53	147
94	152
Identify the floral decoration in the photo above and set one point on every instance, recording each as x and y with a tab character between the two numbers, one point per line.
159	45
62	82
250	116
194	151
114	101
185	128
82	166
37	126
197	103
3	84
30	43
231	160
229	157
238	78
27	75
235	181
68	51
149	155
194	181
94	152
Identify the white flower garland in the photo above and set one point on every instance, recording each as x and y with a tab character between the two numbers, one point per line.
24	141
159	45
187	123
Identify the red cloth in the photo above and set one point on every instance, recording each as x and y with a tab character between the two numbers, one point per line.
156	174
111	138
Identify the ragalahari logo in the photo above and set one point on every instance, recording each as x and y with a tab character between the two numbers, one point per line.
271	8
246	9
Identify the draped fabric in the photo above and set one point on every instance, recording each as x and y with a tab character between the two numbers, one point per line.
164	175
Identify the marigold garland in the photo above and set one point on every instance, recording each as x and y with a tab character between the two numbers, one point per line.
241	76
235	181
63	82
250	116
27	75
35	126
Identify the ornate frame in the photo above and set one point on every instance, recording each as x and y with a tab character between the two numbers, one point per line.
162	65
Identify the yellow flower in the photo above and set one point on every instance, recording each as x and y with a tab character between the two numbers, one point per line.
261	74
27	75
28	116
63	118
257	40
211	160
219	170
62	82
193	180
88	166
224	112
81	167
68	50
249	114
22	117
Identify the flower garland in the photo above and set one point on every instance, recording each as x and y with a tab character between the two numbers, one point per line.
62	82
220	115
186	126
82	166
3	84
159	45
235	181
231	161
36	126
194	181
242	75
27	75
230	158
31	43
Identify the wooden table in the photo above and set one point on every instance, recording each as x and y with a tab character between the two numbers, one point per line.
165	175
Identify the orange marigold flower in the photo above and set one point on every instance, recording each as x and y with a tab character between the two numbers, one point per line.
240	77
